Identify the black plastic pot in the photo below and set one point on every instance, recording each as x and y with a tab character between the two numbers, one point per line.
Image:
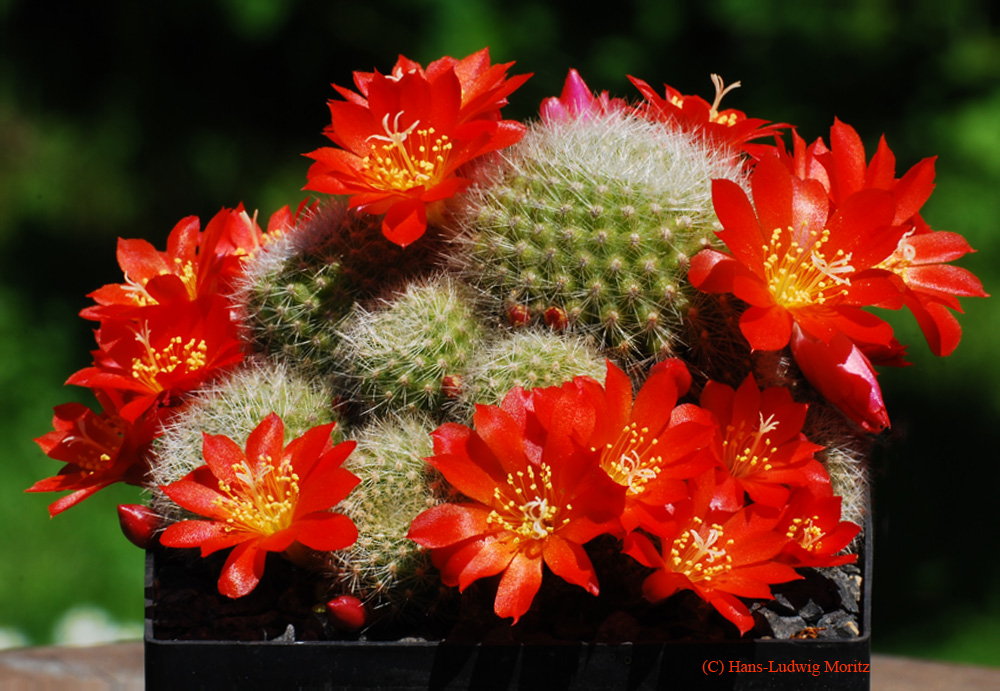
799	664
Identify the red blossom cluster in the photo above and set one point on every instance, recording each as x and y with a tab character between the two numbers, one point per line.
723	498
823	235
165	331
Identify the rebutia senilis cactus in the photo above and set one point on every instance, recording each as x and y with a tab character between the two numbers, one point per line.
298	289
384	568
234	405
413	352
589	224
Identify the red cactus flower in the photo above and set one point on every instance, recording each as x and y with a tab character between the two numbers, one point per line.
816	534
402	141
796	264
537	494
485	87
730	128
920	260
176	348
761	445
651	445
932	286
263	500
720	555
99	449
195	264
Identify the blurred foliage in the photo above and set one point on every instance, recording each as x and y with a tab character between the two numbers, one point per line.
119	118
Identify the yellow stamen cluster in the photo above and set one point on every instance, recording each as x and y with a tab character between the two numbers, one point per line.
746	452
191	356
402	160
632	460
526	507
800	274
806	533
186	271
697	556
264	501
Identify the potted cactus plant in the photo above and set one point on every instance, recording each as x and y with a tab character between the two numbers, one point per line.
584	401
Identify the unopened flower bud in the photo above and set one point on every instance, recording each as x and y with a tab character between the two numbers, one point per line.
518	315
451	385
346	613
556	318
139	524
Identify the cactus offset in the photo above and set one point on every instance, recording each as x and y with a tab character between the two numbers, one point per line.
591	222
414	351
384	568
298	289
529	358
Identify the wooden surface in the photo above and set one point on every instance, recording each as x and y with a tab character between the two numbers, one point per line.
118	667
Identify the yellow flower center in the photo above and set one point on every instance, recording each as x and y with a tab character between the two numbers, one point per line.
264	502
632	460
806	533
701	557
746	452
403	160
191	356
526	507
800	275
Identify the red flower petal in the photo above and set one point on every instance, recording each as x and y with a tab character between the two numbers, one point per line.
570	562
242	570
518	586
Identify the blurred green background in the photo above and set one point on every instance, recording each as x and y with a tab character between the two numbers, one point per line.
119	119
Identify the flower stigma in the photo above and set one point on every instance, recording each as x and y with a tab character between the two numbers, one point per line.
533	519
697	556
631	461
402	160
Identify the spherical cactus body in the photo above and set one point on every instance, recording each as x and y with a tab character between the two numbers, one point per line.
590	224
